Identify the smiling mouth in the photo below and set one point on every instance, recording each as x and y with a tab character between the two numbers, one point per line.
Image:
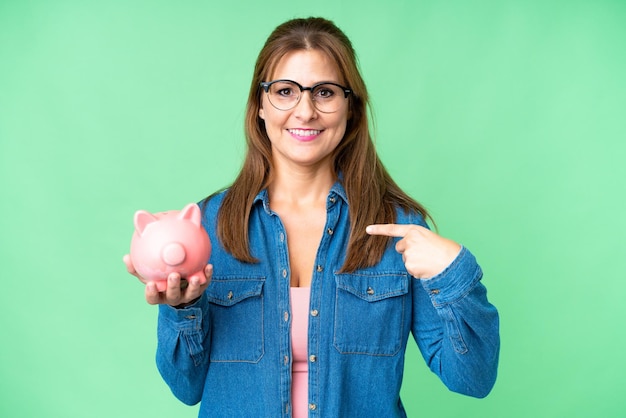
304	132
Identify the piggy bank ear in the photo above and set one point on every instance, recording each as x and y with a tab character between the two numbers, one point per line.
142	219
191	212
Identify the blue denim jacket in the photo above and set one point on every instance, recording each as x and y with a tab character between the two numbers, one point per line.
231	350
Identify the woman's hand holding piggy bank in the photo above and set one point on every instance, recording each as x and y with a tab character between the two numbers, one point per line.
169	252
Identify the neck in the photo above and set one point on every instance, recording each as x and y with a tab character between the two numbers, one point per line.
300	186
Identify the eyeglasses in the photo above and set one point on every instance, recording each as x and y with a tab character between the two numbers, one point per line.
286	94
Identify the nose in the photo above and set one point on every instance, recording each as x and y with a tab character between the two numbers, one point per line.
305	109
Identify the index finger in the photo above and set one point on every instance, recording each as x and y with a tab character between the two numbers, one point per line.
390	230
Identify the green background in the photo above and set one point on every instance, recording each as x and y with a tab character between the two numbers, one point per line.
505	118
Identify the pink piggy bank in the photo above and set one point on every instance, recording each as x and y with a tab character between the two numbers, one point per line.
169	242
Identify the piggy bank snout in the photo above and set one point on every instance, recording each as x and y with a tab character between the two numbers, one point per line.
173	254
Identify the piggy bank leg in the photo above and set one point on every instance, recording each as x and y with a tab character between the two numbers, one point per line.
161	285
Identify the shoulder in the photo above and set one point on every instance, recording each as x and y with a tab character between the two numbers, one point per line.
210	205
410	217
213	200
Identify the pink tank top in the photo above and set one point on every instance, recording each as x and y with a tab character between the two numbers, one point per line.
299	344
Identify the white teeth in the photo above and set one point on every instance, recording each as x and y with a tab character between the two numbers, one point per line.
302	132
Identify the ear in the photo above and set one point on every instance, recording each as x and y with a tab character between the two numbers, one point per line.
143	219
261	113
191	212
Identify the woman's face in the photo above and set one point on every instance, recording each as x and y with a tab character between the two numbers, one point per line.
304	136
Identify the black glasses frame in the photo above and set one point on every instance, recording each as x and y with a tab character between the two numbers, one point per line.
265	85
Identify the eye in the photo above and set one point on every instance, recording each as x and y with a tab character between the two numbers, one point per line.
325	92
284	89
285	92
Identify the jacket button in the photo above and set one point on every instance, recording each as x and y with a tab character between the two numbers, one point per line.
313	358
370	291
312	406
314	312
230	295
284	272
330	231
320	268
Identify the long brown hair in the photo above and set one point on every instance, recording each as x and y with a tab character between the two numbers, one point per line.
372	194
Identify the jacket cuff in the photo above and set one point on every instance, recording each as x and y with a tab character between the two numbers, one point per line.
455	281
187	318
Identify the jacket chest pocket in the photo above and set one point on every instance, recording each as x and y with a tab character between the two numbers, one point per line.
370	313
236	315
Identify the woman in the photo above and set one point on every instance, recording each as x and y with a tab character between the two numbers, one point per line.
321	264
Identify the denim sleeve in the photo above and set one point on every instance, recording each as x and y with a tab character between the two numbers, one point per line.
182	356
456	328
